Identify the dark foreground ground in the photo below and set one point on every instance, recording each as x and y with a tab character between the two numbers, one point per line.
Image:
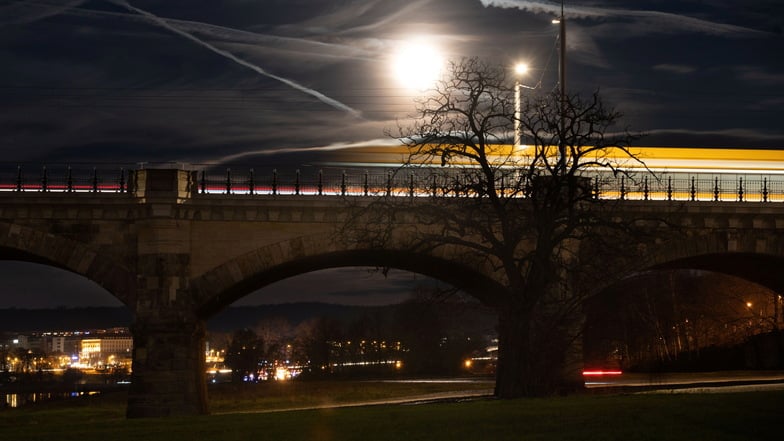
255	414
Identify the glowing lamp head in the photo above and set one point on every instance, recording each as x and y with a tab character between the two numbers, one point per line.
521	68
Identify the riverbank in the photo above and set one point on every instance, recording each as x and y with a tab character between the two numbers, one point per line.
736	416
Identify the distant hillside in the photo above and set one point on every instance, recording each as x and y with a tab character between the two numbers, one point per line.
230	319
71	319
239	317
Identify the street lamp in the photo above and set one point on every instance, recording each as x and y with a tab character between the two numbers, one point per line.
520	70
561	21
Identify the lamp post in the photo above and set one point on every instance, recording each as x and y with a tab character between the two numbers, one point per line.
561	21
562	61
520	69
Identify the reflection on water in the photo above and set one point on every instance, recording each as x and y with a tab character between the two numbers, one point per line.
8	401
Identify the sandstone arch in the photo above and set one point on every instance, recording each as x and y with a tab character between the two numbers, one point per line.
27	244
240	276
748	254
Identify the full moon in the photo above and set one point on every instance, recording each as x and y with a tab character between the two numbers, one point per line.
417	64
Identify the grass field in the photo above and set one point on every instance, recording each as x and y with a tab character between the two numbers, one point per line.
738	416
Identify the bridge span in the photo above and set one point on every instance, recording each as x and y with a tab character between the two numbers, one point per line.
176	246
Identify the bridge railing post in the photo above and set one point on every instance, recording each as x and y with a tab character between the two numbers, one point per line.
95	180
19	184
121	185
320	187
716	189
69	181
693	191
44	181
131	185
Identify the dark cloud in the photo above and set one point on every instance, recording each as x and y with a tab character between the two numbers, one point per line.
198	81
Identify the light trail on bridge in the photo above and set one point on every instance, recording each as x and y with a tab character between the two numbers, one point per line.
657	159
664	173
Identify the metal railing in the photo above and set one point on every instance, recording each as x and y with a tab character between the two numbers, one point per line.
697	187
66	179
421	182
401	182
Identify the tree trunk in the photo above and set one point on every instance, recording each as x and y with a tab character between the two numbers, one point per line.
536	357
512	376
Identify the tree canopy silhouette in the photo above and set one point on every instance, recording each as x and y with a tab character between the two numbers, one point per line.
530	211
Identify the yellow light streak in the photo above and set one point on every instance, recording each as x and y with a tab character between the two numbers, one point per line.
672	159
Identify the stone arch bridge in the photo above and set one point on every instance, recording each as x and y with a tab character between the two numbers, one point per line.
174	256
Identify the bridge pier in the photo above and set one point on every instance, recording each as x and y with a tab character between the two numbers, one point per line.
169	376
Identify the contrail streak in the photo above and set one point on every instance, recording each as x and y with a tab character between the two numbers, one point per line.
318	95
325	148
22	13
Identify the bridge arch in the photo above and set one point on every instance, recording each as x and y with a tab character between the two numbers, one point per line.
239	277
22	243
750	255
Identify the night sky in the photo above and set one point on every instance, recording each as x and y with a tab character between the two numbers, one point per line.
282	81
205	81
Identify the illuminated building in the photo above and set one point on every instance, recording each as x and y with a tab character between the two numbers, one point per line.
99	352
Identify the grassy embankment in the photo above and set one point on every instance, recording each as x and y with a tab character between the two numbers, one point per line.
739	416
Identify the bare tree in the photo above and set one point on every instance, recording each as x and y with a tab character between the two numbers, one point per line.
527	211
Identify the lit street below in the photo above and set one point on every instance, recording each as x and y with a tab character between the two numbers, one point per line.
684	380
677	382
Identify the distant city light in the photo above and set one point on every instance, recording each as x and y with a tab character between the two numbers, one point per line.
281	374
